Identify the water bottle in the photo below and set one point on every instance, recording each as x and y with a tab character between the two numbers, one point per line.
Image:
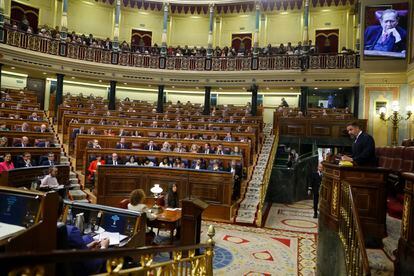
69	218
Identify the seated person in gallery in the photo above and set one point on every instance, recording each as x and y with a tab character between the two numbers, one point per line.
363	147
75	240
7	164
26	161
388	36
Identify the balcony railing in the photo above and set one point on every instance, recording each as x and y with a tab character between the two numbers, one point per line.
56	47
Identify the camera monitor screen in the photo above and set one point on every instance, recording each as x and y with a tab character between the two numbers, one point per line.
18	209
116	222
385	33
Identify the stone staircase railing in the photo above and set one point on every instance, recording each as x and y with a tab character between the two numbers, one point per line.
251	207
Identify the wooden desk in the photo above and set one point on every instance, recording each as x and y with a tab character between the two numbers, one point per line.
115	183
168	220
368	184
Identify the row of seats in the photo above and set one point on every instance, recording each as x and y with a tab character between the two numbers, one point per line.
398	159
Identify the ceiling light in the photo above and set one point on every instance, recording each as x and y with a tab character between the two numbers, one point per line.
73	78
244	88
125	83
100	80
221	88
316	88
326	10
267	88
196	87
291	88
149	85
13	67
173	86
44	73
284	13
340	88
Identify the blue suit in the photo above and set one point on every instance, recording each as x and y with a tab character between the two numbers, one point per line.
373	35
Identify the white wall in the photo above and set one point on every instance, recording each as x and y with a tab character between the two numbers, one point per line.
10	80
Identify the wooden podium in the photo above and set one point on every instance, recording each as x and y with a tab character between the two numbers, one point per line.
369	187
192	210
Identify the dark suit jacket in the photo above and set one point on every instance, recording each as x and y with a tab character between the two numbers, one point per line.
316	180
153	147
109	161
373	33
45	162
19	145
238	172
21	164
363	150
125	146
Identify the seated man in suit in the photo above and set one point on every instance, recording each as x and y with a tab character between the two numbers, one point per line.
151	146
363	148
220	149
43	129
26	161
24	143
114	160
121	144
207	149
215	166
46	143
386	37
50	161
198	164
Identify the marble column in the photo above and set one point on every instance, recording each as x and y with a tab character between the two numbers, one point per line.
1	20
160	101
115	43
210	32
305	21
254	90
256	31
164	31
112	95
64	21
59	91
207	99
358	26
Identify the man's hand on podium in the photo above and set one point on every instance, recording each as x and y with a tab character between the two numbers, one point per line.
346	158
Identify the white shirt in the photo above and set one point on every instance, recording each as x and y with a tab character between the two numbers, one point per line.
49	181
359	133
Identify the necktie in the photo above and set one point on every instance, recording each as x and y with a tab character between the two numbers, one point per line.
51	163
384	37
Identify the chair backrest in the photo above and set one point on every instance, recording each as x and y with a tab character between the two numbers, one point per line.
408	160
397	157
124	203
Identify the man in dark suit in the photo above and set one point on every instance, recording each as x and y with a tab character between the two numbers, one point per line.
50	161
114	160
237	172
316	179
121	144
363	148
151	146
207	149
387	37
26	161
24	143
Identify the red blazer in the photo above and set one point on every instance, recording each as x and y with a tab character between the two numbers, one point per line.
93	166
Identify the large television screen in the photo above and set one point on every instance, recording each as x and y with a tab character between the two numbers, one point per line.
386	30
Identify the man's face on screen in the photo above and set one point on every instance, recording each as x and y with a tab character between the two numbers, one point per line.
389	21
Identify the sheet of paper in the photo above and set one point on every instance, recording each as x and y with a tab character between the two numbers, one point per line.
173	209
114	237
8	230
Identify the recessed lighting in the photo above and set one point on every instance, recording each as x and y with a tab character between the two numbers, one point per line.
197	87
13	67
326	10
44	73
73	78
244	88
340	88
149	85
173	86
100	80
316	88
220	88
284	13
291	88
125	83
267	88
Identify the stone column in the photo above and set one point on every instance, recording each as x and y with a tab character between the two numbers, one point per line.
254	90
305	21
256	31
64	21
164	31
112	95
358	26
160	102
1	20
207	96
59	91
210	32
115	43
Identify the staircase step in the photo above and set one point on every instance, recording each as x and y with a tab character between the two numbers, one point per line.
74	186
77	194
379	263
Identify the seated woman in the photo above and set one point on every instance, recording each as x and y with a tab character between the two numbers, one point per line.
93	167
136	203
131	162
171	198
7	164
